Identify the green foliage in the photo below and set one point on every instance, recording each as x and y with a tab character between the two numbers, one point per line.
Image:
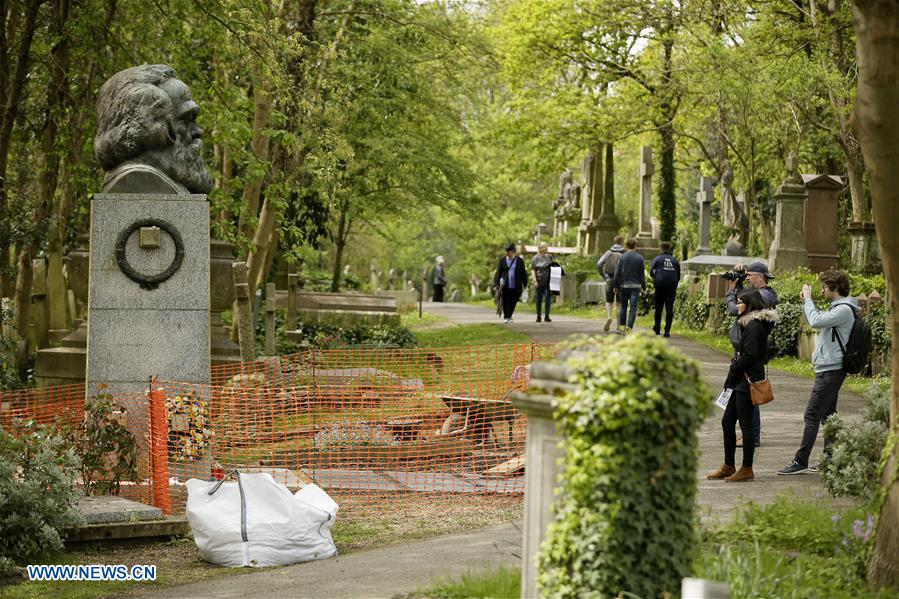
105	447
850	469
503	583
38	499
792	547
624	519
692	311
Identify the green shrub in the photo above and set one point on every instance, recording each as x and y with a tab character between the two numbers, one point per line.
851	468
37	492
692	311
791	548
624	519
105	447
325	336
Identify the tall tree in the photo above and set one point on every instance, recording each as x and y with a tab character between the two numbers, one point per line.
876	123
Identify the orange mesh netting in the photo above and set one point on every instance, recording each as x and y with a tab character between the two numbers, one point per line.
370	426
63	408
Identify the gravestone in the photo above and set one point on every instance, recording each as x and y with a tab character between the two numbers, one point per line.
608	223
149	295
647	245
704	198
865	254
456	296
788	248
822	221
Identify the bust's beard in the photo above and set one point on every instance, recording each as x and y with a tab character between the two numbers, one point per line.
187	167
183	163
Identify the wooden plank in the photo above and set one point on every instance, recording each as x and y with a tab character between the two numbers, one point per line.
507	468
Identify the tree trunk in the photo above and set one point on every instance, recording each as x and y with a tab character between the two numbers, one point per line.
876	124
10	96
260	147
667	178
339	244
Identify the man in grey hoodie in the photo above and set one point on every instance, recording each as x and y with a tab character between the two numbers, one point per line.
606	267
827	359
629	280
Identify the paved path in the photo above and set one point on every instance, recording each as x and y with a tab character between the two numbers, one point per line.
390	571
781	419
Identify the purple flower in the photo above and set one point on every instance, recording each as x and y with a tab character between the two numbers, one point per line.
835	518
857	531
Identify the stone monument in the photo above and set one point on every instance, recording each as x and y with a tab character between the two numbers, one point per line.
704	198
608	223
733	215
788	248
149	285
646	243
822	221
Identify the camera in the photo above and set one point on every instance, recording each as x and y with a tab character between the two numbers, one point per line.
737	274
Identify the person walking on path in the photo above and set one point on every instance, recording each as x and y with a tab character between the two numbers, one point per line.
540	264
606	267
438	278
757	277
665	272
834	325
628	281
510	278
750	356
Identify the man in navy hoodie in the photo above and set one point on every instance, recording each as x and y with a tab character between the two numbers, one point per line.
629	280
665	272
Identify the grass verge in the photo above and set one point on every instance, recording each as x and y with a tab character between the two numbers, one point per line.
434	331
790	548
409	518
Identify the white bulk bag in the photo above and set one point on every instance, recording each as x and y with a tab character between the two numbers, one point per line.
256	521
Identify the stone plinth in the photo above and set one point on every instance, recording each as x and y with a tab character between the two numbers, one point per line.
865	252
568	291
822	221
135	333
788	248
542	455
593	292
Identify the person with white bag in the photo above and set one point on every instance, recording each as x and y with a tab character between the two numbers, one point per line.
256	521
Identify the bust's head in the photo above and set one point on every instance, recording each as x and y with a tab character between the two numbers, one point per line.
147	117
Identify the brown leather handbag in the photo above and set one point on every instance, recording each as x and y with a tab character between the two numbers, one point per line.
760	392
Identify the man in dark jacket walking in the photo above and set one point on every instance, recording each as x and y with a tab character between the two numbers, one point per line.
629	280
510	278
665	273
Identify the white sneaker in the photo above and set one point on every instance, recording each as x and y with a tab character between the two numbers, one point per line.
508	320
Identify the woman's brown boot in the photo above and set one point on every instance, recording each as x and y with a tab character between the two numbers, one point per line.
742	475
722	472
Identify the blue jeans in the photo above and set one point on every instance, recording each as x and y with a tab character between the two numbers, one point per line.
628	295
544	296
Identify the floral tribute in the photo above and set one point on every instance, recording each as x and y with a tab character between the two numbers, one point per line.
189	432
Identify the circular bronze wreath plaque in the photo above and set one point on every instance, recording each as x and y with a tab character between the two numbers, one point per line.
149	282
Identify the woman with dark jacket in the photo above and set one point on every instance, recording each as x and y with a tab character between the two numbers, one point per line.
750	343
510	278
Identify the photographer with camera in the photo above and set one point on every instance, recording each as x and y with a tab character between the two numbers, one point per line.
754	276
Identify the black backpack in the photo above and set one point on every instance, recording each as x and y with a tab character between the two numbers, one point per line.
857	348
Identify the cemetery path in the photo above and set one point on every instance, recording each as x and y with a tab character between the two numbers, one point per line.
396	570
782	422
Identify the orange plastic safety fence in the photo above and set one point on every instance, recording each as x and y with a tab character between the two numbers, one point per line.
367	425
371	426
63	408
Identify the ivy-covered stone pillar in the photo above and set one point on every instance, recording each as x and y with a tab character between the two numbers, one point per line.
623	519
542	455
